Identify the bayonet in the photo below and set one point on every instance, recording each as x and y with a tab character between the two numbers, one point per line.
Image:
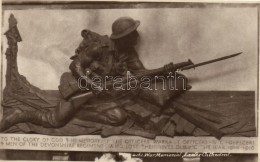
209	62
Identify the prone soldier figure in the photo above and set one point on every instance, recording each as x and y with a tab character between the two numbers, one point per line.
96	56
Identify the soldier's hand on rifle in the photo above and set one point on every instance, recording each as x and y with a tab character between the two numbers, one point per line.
98	90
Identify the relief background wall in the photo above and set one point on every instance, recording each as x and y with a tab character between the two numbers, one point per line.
50	37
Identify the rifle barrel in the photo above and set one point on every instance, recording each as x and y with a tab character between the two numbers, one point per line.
210	61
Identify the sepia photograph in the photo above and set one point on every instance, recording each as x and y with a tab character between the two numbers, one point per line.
129	81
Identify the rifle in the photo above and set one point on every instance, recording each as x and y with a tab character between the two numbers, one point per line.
79	100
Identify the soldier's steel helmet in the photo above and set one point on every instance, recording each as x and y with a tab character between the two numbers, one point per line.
123	26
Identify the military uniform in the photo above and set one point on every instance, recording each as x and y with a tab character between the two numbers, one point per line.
101	58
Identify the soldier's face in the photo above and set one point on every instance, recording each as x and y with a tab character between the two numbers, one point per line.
133	38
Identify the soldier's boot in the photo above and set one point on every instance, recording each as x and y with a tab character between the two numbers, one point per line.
10	120
53	118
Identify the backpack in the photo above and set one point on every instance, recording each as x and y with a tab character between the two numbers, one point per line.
90	37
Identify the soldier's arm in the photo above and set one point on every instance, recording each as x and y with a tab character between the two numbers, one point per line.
134	63
76	68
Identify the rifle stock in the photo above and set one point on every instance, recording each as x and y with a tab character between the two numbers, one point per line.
81	99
